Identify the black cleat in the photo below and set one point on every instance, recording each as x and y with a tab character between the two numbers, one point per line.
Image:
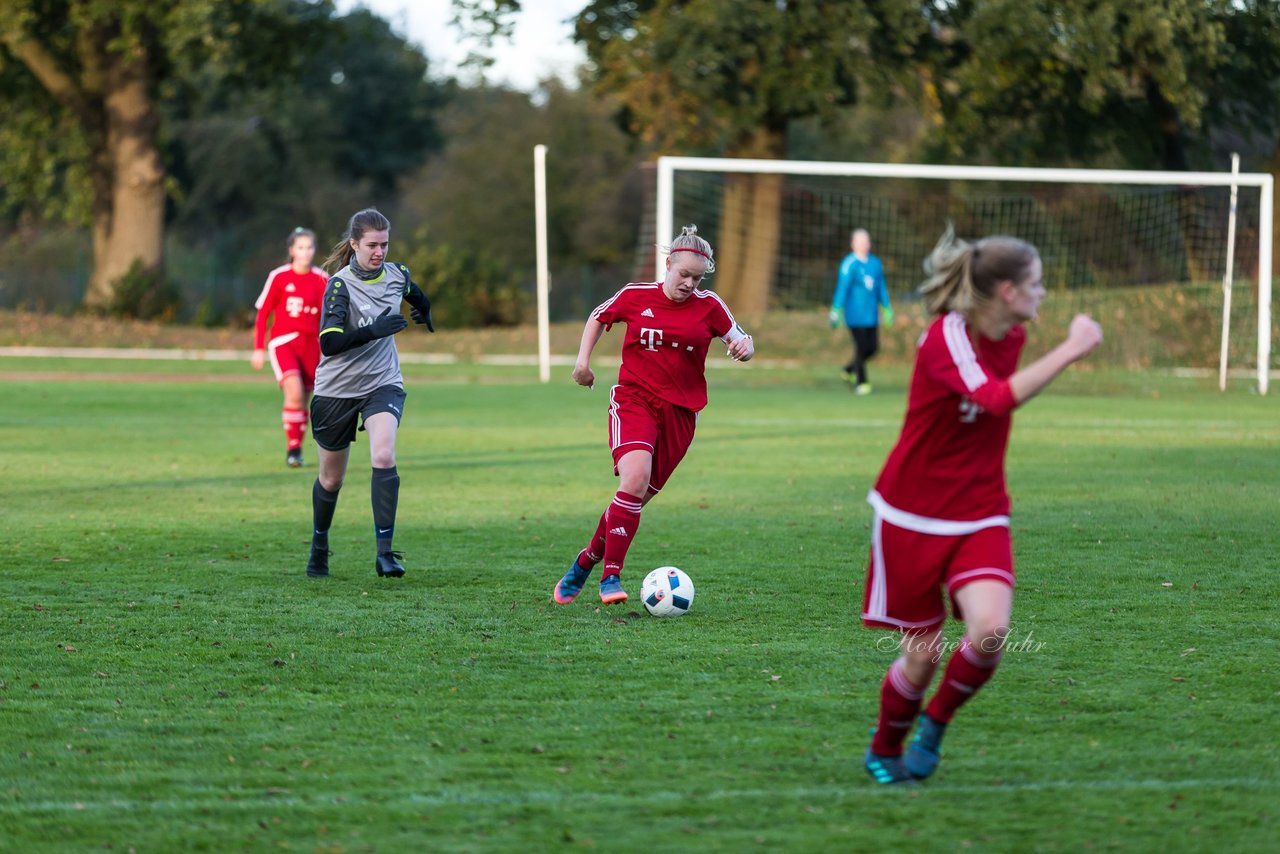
293	459
318	563
388	565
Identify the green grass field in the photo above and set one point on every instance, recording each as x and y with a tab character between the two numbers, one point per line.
171	680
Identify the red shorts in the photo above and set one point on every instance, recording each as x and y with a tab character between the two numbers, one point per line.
909	566
295	355
641	421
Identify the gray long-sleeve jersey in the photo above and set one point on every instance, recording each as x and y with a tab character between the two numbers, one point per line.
351	302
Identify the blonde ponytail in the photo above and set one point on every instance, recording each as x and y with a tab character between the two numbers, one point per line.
962	275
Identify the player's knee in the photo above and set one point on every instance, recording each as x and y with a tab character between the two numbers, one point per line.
637	486
987	633
384	459
331	484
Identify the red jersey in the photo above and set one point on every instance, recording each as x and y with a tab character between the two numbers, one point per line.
665	348
949	461
295	299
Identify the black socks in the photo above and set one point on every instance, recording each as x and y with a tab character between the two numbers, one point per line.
384	491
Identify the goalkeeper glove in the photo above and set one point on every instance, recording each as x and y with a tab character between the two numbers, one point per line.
888	316
834	318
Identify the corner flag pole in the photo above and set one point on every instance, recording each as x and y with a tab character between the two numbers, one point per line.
544	272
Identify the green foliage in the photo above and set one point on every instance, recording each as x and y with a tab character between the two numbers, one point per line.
145	294
476	196
483	23
710	76
51	141
172	681
467	287
347	120
1141	83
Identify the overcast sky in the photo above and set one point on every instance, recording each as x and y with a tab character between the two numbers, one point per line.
542	44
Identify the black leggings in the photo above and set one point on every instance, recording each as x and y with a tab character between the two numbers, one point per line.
866	341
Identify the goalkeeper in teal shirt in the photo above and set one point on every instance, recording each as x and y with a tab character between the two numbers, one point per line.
860	295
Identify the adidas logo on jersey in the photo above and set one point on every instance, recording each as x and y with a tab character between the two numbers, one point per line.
621	532
648	312
289	288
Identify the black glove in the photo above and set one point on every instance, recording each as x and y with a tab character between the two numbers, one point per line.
387	324
419	306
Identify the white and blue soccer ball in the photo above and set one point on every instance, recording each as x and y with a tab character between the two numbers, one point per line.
667	592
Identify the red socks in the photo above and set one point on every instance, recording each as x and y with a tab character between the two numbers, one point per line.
620	521
295	426
967	671
899	704
594	553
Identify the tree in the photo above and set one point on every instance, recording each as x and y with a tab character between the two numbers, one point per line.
333	132
475	204
728	77
82	132
1140	83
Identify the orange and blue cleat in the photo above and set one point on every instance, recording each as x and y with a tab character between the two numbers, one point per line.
611	591
568	588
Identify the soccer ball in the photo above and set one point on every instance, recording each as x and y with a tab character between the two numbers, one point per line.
667	592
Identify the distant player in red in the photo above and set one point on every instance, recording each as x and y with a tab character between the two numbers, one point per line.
654	407
291	298
941	506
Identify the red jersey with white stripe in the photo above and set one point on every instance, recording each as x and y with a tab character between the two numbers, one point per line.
295	300
949	461
665	348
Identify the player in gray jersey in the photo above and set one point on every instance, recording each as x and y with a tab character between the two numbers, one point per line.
358	381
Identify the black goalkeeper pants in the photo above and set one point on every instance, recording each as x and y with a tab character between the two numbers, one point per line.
866	341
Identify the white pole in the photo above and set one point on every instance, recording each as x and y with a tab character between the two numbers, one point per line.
664	222
544	273
1265	214
1226	279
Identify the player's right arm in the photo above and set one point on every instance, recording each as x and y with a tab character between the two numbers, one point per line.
601	321
843	278
266	305
337	332
582	373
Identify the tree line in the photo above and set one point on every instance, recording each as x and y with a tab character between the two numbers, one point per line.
221	124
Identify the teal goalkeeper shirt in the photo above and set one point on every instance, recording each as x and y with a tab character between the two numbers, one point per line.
860	289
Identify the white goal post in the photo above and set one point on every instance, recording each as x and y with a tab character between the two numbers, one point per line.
668	167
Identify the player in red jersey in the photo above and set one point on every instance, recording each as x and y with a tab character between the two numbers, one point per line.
654	408
292	294
941	506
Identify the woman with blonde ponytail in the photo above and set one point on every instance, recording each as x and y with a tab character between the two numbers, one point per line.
941	505
662	385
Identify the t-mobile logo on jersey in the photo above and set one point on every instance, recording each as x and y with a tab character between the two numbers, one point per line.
650	338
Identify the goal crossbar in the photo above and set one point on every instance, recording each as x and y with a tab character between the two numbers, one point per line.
668	166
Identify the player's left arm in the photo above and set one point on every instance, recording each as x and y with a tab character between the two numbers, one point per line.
741	345
419	304
882	294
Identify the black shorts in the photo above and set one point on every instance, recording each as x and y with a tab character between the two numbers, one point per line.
334	419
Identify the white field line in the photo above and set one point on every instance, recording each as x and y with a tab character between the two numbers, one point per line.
181	355
255	800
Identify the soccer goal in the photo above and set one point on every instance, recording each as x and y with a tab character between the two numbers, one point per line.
1147	253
